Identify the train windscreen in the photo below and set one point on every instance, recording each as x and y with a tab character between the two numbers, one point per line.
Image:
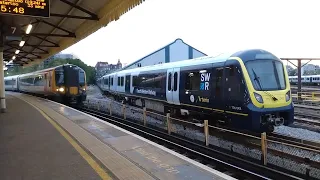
59	76
72	76
266	75
81	78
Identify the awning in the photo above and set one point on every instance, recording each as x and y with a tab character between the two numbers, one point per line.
70	21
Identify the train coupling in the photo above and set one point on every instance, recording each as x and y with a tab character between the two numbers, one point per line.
274	120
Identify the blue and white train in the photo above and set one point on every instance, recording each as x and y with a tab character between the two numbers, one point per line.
312	80
248	89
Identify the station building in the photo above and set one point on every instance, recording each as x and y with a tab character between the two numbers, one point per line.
175	51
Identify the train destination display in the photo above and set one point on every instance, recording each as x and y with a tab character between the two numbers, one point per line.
38	8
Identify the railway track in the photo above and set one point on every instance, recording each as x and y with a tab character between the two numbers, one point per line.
241	167
308	116
305	119
294	141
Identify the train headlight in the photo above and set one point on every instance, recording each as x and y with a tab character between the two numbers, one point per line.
258	97
61	89
288	95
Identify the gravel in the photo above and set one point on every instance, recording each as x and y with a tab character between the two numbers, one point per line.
298	133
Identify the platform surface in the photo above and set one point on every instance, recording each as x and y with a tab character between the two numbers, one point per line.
33	148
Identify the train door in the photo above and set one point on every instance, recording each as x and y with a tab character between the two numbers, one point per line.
234	89
173	81
45	82
216	98
12	84
127	84
109	83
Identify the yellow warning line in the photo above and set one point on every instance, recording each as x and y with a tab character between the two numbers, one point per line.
81	151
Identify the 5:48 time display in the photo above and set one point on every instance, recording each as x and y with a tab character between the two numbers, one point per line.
9	9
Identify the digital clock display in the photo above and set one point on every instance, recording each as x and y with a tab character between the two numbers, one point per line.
38	8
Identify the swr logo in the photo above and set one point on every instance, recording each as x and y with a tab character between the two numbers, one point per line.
205	78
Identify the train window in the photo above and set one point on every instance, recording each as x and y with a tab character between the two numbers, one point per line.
193	81
175	81
122	81
81	78
234	84
59	77
30	80
118	81
219	73
111	81
169	82
135	81
158	79
39	81
105	81
231	70
145	80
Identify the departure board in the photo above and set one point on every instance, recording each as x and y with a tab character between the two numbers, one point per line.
38	8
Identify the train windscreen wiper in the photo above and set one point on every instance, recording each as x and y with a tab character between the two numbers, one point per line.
257	79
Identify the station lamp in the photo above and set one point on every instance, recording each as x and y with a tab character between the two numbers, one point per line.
17	51
21	43
29	29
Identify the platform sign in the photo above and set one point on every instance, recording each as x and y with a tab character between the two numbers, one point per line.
36	8
11	32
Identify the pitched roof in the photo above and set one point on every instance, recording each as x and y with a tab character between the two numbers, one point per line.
178	39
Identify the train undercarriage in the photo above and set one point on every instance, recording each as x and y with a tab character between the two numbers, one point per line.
196	116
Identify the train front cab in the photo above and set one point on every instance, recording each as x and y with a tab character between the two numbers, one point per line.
269	102
70	84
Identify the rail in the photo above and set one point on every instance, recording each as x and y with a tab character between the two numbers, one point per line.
307	114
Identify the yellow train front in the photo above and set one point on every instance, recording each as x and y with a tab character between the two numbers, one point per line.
65	83
268	101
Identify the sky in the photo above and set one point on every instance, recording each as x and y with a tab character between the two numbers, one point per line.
286	28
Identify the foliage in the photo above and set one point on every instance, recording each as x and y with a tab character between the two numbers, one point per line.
90	71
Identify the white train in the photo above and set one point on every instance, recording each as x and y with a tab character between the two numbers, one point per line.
11	83
246	89
64	83
307	80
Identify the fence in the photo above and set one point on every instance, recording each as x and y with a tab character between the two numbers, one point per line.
307	97
259	148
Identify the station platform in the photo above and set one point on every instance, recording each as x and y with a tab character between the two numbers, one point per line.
41	139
